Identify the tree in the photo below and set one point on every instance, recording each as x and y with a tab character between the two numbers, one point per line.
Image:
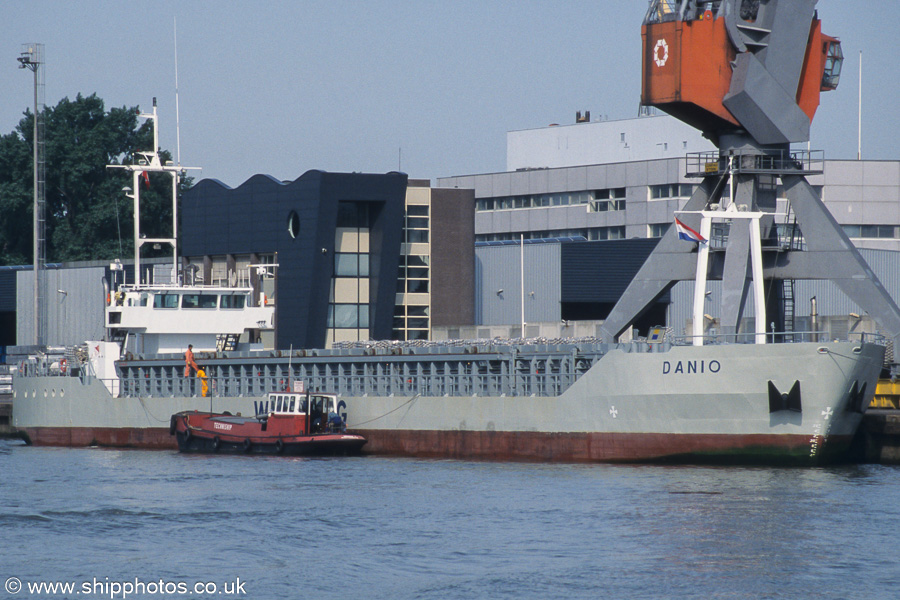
88	215
15	200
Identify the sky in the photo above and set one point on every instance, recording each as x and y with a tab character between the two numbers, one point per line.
423	86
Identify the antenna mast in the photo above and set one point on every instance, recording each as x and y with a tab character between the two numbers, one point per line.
177	118
150	162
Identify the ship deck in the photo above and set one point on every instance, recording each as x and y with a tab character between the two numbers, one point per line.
471	370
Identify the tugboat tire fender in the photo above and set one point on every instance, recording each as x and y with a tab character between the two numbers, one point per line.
173	424
247	444
216	443
279	446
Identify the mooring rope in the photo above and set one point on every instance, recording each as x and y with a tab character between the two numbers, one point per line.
408	402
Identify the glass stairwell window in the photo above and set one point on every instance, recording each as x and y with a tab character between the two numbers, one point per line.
348	303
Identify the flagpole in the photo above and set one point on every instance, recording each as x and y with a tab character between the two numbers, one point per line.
700	281
859	113
522	278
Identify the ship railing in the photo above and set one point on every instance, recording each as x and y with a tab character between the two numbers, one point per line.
144	287
513	374
782	337
663	11
47	367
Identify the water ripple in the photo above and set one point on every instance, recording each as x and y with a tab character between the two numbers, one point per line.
403	528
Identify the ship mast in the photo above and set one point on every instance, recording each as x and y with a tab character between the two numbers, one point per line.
149	162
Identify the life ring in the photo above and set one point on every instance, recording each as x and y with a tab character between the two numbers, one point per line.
247	444
63	365
216	443
279	446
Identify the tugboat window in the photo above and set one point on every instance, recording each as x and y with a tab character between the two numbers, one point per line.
293	224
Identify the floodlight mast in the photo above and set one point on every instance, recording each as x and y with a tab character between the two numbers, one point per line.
149	162
32	57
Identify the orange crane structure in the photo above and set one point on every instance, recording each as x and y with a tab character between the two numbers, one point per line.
723	66
748	74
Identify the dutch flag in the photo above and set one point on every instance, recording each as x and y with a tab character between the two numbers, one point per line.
687	234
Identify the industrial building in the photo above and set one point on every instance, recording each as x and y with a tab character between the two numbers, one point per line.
341	256
625	179
620	182
367	256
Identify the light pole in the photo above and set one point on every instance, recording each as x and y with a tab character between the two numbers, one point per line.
32	58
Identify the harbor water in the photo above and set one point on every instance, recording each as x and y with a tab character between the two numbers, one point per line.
158	524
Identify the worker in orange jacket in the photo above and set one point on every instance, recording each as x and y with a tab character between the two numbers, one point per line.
189	361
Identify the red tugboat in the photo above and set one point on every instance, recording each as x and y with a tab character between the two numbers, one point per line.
294	424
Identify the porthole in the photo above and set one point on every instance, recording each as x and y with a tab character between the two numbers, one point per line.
293	224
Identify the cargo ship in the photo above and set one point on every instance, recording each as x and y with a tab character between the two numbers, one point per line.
797	403
737	396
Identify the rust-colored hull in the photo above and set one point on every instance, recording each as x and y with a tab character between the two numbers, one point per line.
509	445
156	438
603	447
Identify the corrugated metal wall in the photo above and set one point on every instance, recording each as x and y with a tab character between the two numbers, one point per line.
74	306
498	268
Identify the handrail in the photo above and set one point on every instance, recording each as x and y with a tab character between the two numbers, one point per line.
778	337
702	164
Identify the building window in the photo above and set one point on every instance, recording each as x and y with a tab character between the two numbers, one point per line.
411	322
416	236
510	236
348	316
607	200
348	310
293	224
411	312
671	190
536	200
414	266
351	264
417	224
416	286
608	233
871	231
657	230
